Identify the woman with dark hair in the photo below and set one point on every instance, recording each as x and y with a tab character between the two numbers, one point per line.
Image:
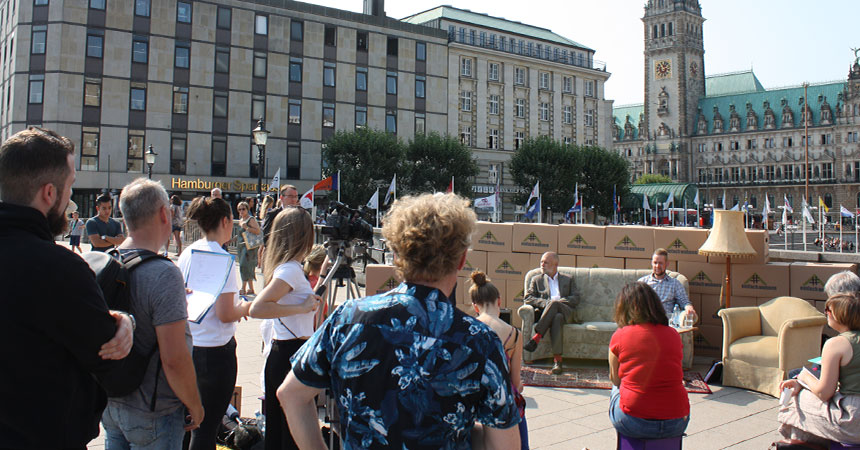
214	337
177	221
648	398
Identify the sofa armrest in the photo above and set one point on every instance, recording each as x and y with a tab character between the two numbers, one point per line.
799	340
739	323
803	322
527	313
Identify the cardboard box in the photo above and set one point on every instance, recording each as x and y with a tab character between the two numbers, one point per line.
704	278
708	313
808	279
588	240
590	262
535	237
637	263
629	241
760	242
515	294
380	278
760	280
563	260
475	260
696	300
508	266
493	237
708	340
682	244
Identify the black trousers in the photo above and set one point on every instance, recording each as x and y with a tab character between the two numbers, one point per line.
216	369
277	367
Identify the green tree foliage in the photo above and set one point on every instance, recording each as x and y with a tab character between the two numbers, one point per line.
366	159
601	171
433	159
650	178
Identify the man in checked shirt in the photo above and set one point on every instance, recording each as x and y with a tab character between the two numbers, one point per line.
669	289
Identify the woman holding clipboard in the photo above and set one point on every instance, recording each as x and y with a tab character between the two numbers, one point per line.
214	342
289	300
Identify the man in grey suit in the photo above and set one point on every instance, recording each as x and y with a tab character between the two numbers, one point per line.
556	296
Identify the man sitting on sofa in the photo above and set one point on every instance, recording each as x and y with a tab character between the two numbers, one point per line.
669	289
556	296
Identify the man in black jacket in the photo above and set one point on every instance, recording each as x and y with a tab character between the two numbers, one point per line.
55	329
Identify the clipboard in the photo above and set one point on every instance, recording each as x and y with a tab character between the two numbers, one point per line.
206	277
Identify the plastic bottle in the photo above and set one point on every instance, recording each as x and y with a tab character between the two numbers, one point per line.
676	316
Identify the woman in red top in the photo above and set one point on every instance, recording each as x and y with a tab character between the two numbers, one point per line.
648	399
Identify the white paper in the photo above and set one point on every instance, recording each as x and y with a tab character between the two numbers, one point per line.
207	275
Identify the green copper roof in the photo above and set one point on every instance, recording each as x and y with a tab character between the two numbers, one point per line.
484	20
659	193
732	83
620	114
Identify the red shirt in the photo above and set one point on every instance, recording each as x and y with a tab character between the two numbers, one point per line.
650	371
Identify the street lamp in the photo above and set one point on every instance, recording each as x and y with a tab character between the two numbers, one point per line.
150	159
261	135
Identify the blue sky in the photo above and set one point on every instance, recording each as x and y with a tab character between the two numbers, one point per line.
786	42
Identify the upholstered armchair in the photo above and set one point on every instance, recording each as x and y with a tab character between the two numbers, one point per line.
761	344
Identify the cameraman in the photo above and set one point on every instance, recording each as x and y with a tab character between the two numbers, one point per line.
374	353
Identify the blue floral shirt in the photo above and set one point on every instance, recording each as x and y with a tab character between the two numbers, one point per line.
409	370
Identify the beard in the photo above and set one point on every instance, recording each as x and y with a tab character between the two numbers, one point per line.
57	219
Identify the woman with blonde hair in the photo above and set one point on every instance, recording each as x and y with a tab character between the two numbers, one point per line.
289	299
268	203
314	263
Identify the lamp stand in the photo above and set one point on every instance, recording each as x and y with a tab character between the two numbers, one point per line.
728	281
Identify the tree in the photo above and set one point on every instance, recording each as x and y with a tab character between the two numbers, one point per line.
602	173
366	159
431	161
550	162
650	178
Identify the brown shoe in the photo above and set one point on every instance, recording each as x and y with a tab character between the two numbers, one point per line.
556	368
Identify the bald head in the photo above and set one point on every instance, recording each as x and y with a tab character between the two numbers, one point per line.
549	264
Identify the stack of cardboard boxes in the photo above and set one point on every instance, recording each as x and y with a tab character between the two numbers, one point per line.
507	251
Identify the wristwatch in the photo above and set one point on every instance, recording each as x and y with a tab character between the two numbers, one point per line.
133	321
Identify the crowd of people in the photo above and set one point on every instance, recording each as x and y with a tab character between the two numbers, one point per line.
404	369
835	244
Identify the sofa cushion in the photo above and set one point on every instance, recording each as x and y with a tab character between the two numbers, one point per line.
756	350
595	326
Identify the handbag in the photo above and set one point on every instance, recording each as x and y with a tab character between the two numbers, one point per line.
252	240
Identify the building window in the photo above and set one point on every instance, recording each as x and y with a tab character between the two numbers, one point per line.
180	100
97	4
330	36
40	35
297	30
466	136
419	123
493	72
140	49
493	139
827	173
141	8
361	41
361	78
328	115
296	70
543	112
494	105
421	51
92	92
466	67
391	122
466	101
391	47
329	74
568	114
295	113
95	44
589	117
520	107
391	83
360	117
261	60
567	141
182	55
589	88
519	138
567	83
138	99
419	86
519	76
219	156
294	161
258	107
37	86
135	151
220	104
183	12
90	150
261	25
544	80
178	145
225	16
222	59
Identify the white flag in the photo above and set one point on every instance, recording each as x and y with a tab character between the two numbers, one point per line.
766	205
486	202
276	181
787	204
724	199
807	214
737	207
307	201
844	212
696	200
670	200
645	204
392	190
373	203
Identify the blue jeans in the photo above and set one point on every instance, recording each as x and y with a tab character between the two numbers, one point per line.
643	428
127	428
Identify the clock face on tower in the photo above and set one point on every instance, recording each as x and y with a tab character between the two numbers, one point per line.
663	69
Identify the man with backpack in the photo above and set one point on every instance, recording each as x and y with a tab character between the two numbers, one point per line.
153	415
55	328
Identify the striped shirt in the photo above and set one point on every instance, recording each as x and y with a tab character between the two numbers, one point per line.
670	291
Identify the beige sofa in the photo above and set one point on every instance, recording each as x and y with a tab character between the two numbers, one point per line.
598	288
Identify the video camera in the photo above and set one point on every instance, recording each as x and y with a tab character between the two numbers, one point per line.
344	223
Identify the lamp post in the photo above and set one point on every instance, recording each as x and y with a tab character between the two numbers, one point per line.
150	159
261	135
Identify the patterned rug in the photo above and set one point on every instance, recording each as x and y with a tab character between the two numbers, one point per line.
594	378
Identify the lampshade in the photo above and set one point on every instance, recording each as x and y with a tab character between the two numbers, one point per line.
71	207
150	155
728	237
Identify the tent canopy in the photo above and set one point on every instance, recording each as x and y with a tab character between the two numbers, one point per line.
659	193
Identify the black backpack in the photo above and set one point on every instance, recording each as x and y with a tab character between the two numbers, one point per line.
113	275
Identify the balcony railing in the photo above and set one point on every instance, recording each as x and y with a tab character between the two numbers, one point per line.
578	59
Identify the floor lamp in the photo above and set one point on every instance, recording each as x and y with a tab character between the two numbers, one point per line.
728	239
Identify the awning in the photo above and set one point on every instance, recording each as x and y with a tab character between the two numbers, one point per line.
658	193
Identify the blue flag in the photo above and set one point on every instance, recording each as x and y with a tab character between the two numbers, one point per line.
530	213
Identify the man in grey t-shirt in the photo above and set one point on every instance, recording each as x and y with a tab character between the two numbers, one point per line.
154	415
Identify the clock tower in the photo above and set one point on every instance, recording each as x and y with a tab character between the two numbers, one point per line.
674	81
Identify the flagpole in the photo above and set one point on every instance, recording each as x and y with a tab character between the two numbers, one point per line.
855	231
803	218
840	229
338	185
785	226
377	205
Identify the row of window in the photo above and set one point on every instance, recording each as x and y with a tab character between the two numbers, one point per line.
520	109
495	143
787	142
521	77
766	173
513	45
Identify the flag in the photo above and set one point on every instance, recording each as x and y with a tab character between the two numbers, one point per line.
276	181
330	183
822	205
787	204
577	206
845	212
807	214
392	190
530	213
450	187
614	199
747	206
307	201
534	194
486	202
670	200
724	199
645	204
766	205
737	207
373	203
696	200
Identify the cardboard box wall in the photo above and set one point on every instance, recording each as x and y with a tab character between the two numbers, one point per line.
508	266
760	242
493	237
587	240
515	296
760	280
379	279
682	244
711	304
704	278
535	238
475	260
637	263
808	279
629	241
588	262
708	340
563	260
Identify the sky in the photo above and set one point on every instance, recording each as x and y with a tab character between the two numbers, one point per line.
785	42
